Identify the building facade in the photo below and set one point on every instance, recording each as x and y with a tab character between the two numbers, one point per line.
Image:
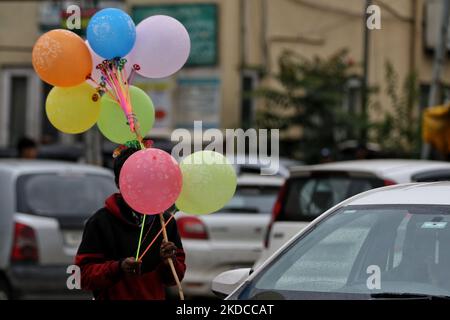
231	41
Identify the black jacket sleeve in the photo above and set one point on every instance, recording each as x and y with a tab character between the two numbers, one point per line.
97	272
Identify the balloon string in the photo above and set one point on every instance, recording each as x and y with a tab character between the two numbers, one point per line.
125	105
93	80
101	88
123	78
111	87
110	94
156	237
109	76
142	227
140	237
120	90
107	79
123	87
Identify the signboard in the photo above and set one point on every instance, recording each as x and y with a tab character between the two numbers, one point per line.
198	98
200	21
54	14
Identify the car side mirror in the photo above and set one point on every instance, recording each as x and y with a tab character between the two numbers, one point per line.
226	282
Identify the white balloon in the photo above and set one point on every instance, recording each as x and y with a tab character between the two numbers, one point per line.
162	46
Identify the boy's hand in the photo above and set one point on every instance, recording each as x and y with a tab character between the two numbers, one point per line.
131	266
168	251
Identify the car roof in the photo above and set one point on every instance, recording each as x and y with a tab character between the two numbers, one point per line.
244	159
432	193
380	167
254	179
19	166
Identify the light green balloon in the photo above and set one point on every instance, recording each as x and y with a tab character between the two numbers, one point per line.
209	182
112	121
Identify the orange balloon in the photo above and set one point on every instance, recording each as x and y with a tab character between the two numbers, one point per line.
61	58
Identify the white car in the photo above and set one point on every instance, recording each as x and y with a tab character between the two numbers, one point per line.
230	238
252	164
311	190
43	207
387	243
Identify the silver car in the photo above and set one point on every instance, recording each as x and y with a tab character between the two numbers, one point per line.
386	243
44	205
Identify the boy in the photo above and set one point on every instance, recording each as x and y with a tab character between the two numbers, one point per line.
106	255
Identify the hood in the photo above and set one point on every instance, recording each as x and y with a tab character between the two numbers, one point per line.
116	205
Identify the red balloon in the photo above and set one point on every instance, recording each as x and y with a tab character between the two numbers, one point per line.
150	181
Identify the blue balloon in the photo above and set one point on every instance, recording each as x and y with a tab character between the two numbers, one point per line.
111	33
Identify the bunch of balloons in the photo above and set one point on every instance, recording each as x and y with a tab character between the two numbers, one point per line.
91	82
92	78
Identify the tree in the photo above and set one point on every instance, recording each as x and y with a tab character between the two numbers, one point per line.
398	132
308	96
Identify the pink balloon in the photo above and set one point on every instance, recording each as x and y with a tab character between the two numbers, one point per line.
96	60
150	181
162	46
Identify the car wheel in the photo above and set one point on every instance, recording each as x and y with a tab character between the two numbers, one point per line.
5	293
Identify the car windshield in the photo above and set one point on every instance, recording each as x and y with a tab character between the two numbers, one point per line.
363	252
308	197
59	195
252	199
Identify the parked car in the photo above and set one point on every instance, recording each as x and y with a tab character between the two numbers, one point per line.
44	205
311	190
387	243
252	164
229	238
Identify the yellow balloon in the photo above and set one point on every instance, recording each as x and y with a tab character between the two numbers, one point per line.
73	109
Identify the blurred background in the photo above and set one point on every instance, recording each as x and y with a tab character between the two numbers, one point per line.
336	89
297	65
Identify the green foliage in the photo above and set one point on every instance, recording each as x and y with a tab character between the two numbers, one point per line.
309	96
398	132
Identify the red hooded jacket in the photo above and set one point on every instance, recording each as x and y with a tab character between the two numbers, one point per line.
112	235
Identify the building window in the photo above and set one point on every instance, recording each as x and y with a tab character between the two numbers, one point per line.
352	98
249	84
18	108
20	98
49	133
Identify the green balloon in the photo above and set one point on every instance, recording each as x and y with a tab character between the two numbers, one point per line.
209	182
113	123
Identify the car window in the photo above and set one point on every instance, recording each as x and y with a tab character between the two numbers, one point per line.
407	248
332	255
308	197
59	195
252	199
432	176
